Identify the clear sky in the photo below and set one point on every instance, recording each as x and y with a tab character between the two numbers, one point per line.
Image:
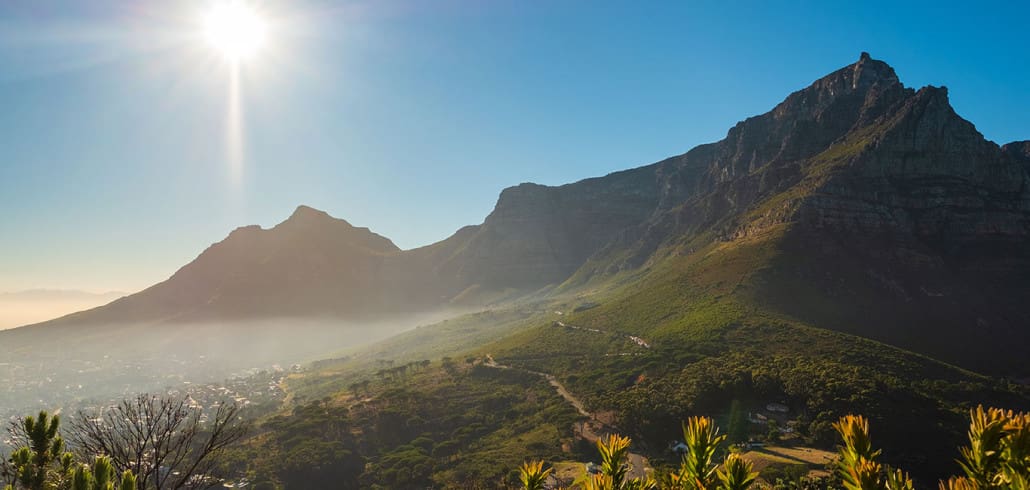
410	116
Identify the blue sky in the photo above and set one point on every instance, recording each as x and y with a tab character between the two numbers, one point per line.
409	117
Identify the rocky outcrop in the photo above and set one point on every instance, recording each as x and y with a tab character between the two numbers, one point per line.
924	172
1020	151
713	187
855	152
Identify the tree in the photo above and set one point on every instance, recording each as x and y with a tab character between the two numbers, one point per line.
738	424
774	431
42	463
101	477
168	442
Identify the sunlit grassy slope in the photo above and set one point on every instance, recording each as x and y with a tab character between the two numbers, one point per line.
713	336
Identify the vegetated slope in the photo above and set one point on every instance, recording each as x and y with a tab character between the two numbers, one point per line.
708	344
857	205
890	205
448	424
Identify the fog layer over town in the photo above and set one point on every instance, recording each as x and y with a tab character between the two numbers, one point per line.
116	361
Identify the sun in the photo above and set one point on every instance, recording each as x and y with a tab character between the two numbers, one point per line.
235	30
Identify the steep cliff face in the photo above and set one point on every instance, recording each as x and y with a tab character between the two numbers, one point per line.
928	174
1020	151
709	188
854	152
892	216
911	229
538	235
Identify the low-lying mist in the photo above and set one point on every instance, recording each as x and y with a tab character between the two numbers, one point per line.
55	367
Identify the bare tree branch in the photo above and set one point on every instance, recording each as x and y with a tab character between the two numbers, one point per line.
169	442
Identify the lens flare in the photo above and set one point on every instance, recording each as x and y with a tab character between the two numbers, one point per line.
235	30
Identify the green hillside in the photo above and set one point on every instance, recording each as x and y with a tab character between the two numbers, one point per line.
855	250
711	344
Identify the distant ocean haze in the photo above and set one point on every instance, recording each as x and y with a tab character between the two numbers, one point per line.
27	307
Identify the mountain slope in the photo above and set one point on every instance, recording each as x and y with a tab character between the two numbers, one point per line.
856	205
872	193
309	265
773	265
891	217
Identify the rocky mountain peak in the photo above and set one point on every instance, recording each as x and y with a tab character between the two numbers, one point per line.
862	84
308	221
805	123
307	215
867	72
1020	150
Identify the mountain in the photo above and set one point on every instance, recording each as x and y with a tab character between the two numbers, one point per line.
889	216
309	265
883	213
862	206
858	248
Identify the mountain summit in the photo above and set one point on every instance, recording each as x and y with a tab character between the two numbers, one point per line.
865	206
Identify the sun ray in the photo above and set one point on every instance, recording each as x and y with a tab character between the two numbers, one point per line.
234	128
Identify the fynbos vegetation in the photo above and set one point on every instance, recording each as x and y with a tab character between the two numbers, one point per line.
43	464
997	457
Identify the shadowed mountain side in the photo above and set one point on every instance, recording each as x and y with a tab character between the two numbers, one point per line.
538	235
315	265
875	195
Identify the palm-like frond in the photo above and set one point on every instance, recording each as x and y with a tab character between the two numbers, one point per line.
897	480
1015	471
613	449
959	483
857	445
702	438
532	475
736	473
981	459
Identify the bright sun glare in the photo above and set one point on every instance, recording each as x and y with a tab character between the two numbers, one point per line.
235	30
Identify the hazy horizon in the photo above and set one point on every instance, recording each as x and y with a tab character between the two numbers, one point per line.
20	308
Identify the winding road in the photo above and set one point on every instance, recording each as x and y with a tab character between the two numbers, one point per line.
589	429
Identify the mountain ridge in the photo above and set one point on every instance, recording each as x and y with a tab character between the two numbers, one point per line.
854	157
